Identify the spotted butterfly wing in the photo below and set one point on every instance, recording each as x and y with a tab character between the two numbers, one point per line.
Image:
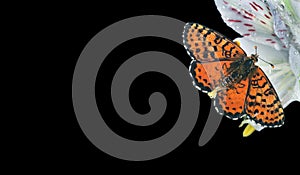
262	103
213	56
231	102
205	45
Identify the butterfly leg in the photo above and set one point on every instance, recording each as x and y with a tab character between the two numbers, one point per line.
213	93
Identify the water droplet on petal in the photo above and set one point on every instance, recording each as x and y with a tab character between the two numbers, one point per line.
285	44
282	6
223	6
287	34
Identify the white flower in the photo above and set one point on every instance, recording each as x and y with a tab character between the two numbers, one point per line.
274	27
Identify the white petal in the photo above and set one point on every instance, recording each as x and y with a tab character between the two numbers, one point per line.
288	11
296	6
279	26
251	19
294	59
265	52
285	84
292	94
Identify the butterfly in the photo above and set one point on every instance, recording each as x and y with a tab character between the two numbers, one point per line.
239	88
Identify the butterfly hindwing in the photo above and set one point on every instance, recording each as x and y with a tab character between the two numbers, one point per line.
207	76
231	102
262	102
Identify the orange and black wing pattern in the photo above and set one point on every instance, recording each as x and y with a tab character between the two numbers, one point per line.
231	102
262	103
206	45
211	54
207	76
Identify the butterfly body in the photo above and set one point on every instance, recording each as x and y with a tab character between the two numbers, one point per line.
222	69
239	70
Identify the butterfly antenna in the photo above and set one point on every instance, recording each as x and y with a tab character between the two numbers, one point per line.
272	65
255	47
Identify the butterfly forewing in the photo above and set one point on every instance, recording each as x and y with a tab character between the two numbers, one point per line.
207	45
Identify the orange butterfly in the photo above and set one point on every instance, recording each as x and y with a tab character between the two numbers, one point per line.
222	69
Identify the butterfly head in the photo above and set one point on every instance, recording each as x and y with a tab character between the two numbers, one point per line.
254	57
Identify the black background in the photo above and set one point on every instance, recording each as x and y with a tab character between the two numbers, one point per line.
67	28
